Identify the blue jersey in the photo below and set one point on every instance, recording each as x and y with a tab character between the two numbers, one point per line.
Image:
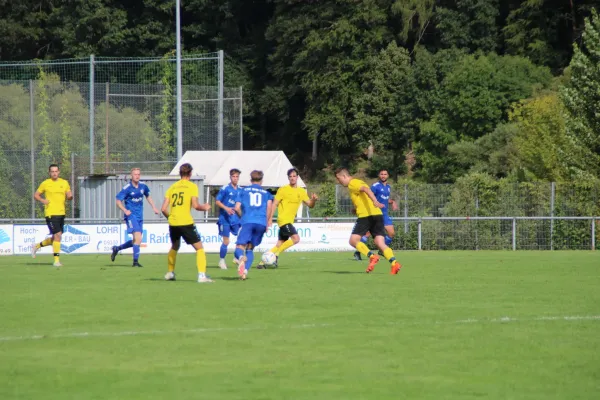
382	193
133	198
254	200
228	196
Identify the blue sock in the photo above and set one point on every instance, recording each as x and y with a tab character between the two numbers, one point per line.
136	252
250	257
223	250
364	239
388	240
126	245
238	253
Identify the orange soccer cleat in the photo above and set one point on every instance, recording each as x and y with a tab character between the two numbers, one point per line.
372	261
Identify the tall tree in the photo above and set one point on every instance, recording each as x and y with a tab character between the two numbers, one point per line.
581	94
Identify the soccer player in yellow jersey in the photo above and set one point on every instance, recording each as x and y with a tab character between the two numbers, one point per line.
56	191
177	207
370	219
287	201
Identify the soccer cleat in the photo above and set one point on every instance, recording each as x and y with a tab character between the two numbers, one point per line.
395	268
261	265
222	264
115	251
357	256
137	264
57	264
236	261
242	268
372	261
170	276
33	250
205	279
276	264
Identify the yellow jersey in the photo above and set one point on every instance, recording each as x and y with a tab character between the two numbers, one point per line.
55	191
289	199
364	205
180	202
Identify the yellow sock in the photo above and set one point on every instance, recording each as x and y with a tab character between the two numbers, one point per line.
201	261
363	249
171	258
286	245
274	250
56	249
389	254
45	242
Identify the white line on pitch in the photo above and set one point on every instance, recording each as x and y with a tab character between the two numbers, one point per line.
301	326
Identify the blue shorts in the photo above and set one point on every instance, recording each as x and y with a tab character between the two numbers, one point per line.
225	229
134	224
387	220
251	234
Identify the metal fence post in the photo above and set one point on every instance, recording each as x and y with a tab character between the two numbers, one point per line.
241	118
593	234
31	139
419	234
92	81
514	234
106	149
552	194
220	123
405	208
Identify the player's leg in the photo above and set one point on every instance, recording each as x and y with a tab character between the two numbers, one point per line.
379	233
126	245
224	232
192	237
258	232
363	239
243	240
137	242
58	227
293	238
45	242
175	235
389	229
361	227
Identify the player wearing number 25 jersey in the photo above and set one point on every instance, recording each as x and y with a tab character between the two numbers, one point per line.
177	207
253	204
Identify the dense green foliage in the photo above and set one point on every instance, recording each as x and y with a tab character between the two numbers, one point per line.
438	89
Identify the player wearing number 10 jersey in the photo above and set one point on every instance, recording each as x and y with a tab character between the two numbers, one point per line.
177	207
253	204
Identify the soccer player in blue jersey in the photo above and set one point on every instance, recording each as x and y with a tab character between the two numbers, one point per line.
131	201
253	204
229	221
382	191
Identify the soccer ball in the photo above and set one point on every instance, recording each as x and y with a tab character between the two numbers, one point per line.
269	258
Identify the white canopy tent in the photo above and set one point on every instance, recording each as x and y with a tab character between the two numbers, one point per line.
215	166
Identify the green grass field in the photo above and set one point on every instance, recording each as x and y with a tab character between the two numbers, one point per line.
451	325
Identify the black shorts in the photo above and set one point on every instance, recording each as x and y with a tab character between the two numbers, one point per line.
189	233
372	223
56	223
286	231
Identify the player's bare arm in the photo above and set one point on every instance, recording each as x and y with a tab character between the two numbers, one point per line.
165	208
271	210
151	202
198	206
229	210
69	195
238	208
394	204
38	197
371	195
122	208
313	200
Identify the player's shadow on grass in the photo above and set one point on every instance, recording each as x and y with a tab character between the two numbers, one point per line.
167	282
343	272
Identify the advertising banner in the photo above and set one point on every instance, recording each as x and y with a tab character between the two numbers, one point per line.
99	238
6	239
76	239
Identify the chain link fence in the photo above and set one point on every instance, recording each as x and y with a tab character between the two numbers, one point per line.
106	115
